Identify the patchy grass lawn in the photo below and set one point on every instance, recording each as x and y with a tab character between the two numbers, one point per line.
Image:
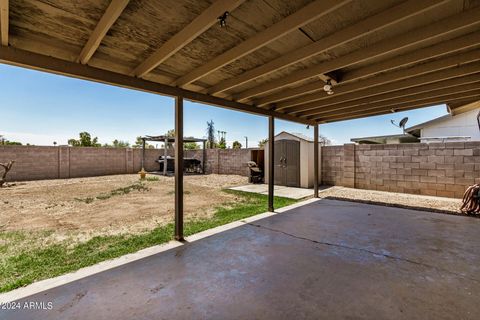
26	257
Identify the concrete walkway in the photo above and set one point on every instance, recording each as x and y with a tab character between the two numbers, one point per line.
324	260
281	191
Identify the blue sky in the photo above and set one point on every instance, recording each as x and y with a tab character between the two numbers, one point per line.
40	108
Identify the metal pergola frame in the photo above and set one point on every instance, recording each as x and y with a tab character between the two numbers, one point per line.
166	139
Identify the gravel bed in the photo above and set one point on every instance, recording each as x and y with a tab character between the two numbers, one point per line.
411	201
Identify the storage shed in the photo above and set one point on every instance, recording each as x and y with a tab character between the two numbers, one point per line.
293	160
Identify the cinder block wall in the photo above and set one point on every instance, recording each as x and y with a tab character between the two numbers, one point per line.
437	169
332	165
224	161
33	163
37	163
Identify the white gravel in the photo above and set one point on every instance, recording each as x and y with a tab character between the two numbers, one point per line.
437	204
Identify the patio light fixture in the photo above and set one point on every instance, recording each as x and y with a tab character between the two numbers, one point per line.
223	19
327	87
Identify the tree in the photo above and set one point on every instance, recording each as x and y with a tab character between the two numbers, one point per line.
85	140
262	143
120	144
170	134
324	141
5	142
12	143
117	144
236	145
222	144
191	146
211	141
6	168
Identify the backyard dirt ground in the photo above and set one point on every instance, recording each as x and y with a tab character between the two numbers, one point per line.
108	204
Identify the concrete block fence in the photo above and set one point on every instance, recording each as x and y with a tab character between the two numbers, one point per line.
436	169
37	163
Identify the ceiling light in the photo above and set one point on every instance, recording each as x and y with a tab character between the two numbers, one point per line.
328	86
223	19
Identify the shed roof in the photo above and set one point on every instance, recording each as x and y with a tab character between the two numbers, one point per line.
272	58
297	135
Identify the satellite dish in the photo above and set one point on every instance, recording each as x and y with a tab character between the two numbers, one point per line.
402	123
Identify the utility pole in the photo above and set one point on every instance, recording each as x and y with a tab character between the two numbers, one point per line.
246	142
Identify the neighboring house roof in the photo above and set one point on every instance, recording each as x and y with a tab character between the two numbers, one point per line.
413	133
415	130
404	138
296	134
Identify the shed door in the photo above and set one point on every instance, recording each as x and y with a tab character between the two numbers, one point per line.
287	163
280	178
292	163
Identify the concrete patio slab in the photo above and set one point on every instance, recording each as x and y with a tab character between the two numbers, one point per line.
324	260
280	191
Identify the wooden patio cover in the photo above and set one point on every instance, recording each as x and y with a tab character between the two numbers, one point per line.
272	58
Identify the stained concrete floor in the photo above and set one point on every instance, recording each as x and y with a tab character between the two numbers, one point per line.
325	260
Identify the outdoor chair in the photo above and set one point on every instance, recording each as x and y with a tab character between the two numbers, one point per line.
256	174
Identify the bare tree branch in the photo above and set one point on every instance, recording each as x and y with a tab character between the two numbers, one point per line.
6	168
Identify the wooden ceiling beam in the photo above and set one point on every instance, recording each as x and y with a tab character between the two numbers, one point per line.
403	100
369	93
402	107
195	28
442	27
30	60
460	43
443	48
418	70
367	26
305	15
389	96
4	15
114	10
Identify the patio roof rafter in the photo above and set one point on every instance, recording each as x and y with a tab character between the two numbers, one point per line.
443	48
397	75
360	29
4	16
113	12
392	87
195	28
411	99
310	12
442	27
386	98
